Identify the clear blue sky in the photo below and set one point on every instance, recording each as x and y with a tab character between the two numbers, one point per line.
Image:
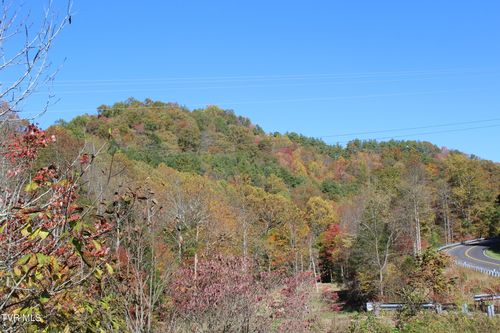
321	68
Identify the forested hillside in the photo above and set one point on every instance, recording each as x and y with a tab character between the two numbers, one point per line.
186	220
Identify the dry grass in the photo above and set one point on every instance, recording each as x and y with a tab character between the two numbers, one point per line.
469	282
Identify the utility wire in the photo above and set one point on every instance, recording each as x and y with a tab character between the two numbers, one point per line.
311	99
408	128
370	132
279	77
234	86
367	139
426	133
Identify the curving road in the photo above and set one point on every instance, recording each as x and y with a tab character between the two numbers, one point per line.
473	254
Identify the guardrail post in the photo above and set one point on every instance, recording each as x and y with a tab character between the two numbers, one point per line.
377	308
439	308
465	308
490	309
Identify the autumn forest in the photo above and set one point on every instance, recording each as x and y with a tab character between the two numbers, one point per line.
151	217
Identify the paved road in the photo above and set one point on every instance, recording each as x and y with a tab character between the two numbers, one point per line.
473	254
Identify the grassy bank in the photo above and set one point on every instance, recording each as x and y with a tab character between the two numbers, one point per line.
493	252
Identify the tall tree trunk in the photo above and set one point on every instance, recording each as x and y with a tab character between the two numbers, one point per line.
418	240
179	245
381	282
245	243
313	264
293	247
447	225
196	252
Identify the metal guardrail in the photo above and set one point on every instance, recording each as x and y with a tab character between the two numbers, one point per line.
370	306
449	246
492	272
486	297
490	308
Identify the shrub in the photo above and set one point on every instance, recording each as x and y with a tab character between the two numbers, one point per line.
224	295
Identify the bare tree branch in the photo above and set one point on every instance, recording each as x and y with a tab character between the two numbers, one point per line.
24	48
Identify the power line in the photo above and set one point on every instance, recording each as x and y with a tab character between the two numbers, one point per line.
426	133
190	88
403	129
408	128
312	99
285	76
369	132
169	151
281	77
